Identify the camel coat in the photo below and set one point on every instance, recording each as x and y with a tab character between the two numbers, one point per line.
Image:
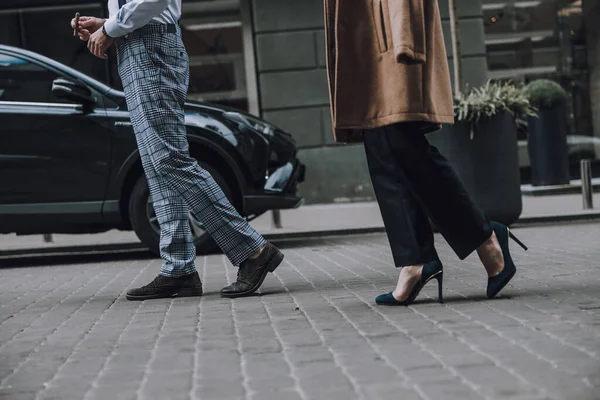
386	63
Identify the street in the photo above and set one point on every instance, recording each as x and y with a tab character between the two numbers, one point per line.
67	331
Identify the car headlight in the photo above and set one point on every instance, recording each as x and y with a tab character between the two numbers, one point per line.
252	122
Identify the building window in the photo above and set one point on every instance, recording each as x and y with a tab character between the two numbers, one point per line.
532	39
45	30
213	37
212	33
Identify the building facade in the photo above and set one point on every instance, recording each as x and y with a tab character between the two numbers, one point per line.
268	57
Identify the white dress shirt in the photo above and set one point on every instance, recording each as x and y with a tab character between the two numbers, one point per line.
137	13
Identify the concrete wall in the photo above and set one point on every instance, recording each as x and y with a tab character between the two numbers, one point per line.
292	85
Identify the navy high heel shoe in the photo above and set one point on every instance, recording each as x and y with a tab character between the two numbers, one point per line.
497	283
430	271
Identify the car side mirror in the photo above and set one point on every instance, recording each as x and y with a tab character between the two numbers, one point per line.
73	91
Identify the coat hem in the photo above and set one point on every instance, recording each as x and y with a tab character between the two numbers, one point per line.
395	118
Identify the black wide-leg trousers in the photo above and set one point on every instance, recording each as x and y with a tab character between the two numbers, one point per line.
414	183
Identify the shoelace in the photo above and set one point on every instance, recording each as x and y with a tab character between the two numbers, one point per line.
239	273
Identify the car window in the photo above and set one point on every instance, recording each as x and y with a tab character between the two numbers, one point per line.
21	80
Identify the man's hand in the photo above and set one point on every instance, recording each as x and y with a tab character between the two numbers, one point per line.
88	26
99	43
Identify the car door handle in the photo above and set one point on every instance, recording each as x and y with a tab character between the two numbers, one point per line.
122	123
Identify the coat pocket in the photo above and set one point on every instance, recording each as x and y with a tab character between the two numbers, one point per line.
380	21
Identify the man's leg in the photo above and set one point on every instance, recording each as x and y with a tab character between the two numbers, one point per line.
176	240
156	97
178	276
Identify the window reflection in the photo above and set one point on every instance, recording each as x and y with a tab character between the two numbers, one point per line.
531	39
23	81
45	30
212	33
521	38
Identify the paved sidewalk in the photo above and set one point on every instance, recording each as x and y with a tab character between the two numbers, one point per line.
307	219
67	332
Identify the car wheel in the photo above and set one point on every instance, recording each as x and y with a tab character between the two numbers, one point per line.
145	223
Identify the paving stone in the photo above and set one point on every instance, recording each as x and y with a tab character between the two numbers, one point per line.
165	385
450	390
284	394
389	390
8	394
503	384
317	334
219	388
116	376
124	391
70	388
272	384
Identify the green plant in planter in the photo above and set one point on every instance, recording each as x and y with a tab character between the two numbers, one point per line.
493	98
544	93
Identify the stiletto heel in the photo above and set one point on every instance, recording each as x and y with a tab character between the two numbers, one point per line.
498	282
440	279
430	271
513	237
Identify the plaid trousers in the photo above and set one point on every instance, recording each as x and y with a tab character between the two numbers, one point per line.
154	68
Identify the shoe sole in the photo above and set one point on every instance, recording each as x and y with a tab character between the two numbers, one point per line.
508	279
271	267
185	292
389	304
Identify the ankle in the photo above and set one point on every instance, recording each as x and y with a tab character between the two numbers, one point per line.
257	254
493	262
488	245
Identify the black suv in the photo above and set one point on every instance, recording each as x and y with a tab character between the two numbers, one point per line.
69	162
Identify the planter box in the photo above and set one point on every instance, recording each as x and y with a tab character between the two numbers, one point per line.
488	164
548	150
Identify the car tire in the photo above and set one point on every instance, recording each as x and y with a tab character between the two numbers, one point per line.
149	234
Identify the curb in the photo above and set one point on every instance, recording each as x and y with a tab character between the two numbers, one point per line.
565	218
274	237
574	187
70	250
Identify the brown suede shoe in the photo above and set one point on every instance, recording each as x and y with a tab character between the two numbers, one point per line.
166	287
252	273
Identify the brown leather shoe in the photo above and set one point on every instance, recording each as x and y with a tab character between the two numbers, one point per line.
252	273
166	287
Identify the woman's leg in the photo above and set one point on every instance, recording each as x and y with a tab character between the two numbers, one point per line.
406	223
444	197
